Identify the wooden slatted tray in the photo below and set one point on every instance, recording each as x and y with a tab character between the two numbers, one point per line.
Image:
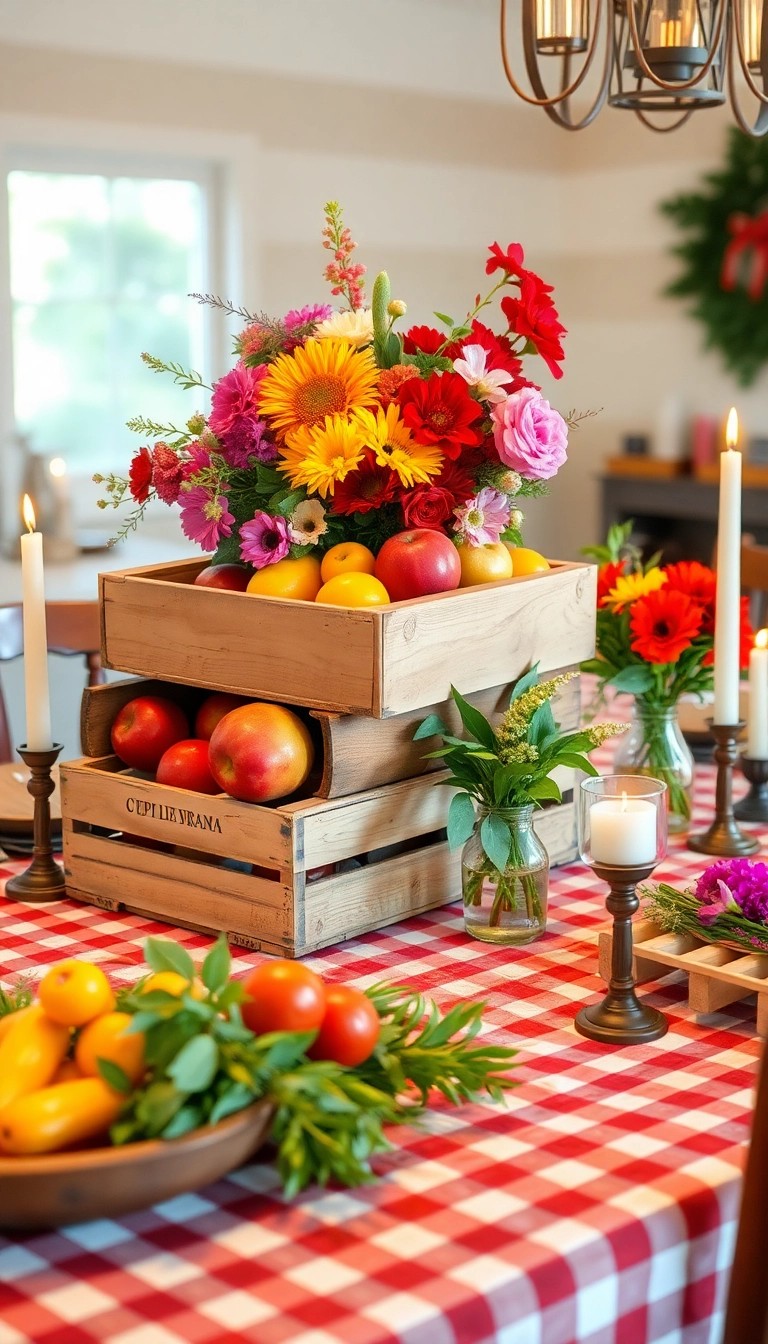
376	662
717	975
286	879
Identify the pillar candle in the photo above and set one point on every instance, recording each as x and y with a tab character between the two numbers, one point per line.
35	636
727	618
623	831
757	743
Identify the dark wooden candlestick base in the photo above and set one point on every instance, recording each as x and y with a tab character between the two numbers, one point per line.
755	806
44	879
724	838
621	1019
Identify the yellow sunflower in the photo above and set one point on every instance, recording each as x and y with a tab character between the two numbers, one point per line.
390	439
631	586
320	378
320	455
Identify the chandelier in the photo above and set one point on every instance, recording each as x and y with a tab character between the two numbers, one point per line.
670	56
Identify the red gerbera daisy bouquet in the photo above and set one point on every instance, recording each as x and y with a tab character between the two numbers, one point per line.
336	426
655	640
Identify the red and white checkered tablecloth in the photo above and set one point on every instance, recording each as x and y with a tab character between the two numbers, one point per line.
598	1207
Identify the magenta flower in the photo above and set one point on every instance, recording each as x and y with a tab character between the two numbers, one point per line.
205	518
301	317
745	883
481	521
265	540
531	437
235	395
246	439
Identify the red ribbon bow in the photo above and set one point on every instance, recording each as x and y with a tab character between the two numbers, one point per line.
750	236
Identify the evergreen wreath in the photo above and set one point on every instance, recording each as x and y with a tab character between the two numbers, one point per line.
725	256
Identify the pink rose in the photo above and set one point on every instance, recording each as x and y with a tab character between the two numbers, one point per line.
530	436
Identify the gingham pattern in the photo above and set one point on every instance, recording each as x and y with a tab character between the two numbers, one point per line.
599	1207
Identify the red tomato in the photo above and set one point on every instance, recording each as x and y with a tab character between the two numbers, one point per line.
350	1027
283	996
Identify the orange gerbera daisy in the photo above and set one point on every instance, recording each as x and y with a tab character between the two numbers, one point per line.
320	378
664	623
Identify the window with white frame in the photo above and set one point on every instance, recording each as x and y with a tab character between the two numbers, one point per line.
102	264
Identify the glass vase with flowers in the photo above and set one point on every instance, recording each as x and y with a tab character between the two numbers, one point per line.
502	775
655	641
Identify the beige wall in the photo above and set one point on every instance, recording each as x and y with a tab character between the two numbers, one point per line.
427	181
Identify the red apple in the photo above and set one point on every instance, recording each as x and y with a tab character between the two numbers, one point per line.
145	728
260	752
213	709
233	577
185	766
418	562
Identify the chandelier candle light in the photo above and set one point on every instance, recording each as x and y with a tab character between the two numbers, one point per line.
724	837
754	761
43	880
622	836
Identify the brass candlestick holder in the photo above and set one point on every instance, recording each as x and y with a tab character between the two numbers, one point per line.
754	807
44	879
724	838
621	1019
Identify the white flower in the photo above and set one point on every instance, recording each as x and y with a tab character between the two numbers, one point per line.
355	327
307	523
489	383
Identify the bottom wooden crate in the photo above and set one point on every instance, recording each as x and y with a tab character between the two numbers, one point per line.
717	975
286	879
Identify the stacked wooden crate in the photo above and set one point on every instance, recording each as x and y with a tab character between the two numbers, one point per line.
364	844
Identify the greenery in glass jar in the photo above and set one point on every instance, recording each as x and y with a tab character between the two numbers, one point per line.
510	766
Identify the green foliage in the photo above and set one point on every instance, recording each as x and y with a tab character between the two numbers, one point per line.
427	364
735	324
617	546
328	1123
186	378
11	1000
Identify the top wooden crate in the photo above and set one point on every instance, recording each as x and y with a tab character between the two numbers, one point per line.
376	662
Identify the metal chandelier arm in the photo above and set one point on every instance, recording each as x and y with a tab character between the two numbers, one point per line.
542	99
745	70
553	110
676	86
663	130
759	128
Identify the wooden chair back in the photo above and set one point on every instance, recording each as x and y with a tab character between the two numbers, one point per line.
754	579
746	1319
73	628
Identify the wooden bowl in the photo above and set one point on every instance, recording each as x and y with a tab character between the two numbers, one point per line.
61	1188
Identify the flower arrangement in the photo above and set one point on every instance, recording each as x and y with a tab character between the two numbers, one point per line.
334	426
655	639
728	904
504	769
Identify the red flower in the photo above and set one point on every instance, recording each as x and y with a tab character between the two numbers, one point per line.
456	477
427	506
168	473
534	316
140	476
510	261
367	488
699	582
499	351
424	339
664	623
439	411
606	578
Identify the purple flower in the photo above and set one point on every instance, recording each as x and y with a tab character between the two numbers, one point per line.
481	521
265	540
234	395
301	317
722	904
530	436
245	439
205	517
746	884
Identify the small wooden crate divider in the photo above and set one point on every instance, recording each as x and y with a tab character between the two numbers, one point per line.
717	975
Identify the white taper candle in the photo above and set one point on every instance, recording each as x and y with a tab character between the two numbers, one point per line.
35	636
727	618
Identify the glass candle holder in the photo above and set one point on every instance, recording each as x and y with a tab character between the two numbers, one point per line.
622	836
623	821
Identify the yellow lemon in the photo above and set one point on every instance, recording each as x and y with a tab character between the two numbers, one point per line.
298	579
354	590
525	561
173	983
349	557
484	564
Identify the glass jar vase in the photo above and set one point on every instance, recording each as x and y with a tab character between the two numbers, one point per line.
655	746
509	906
